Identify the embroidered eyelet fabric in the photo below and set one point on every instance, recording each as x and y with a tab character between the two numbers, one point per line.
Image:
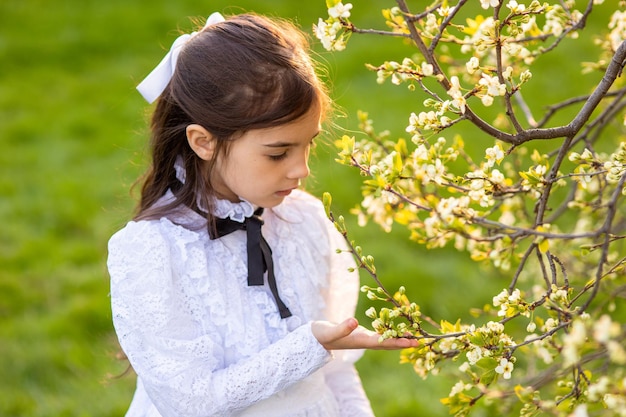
204	343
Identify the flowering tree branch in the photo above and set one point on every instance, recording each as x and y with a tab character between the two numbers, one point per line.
553	220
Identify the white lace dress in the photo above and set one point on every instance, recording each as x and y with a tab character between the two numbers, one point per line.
204	343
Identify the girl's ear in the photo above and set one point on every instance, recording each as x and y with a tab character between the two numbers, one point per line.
201	141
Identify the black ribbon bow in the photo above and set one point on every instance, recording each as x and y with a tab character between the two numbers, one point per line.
259	253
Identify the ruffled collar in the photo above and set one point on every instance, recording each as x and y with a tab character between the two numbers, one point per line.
236	211
221	208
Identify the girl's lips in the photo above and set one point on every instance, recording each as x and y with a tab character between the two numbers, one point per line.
284	193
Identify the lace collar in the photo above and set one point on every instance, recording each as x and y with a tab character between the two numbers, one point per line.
235	211
221	208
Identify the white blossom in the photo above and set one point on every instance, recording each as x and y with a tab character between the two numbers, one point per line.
515	7
515	296
427	69
544	354
604	329
496	177
474	355
617	353
553	23
494	88
495	327
572	343
501	298
431	25
580	411
327	34
505	368
485	4
597	390
465	366
494	155
376	208
434	172
487	100
472	65
456	94
550	324
459	387
340	10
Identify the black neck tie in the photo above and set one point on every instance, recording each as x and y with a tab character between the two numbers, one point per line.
259	253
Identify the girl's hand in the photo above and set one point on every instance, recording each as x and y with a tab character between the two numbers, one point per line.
349	335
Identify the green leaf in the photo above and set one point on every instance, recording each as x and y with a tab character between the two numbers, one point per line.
476	339
544	245
447	327
397	162
488	377
401	147
525	394
487	363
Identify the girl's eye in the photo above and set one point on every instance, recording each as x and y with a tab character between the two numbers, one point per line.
278	157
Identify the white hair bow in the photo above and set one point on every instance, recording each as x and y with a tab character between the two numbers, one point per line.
153	85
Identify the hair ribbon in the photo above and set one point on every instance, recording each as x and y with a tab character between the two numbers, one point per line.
154	84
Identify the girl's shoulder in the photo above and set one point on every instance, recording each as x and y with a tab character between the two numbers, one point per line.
300	205
158	233
180	223
303	215
155	253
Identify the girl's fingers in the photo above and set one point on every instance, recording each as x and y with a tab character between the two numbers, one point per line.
327	333
347	327
399	343
349	335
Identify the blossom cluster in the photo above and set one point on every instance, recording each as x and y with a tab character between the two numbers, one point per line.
330	31
589	166
618	29
511	304
401	72
400	321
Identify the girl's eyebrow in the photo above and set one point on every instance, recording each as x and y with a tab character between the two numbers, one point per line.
279	145
286	144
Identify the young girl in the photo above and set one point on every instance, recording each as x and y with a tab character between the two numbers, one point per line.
228	295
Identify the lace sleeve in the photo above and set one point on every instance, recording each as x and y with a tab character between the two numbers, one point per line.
178	358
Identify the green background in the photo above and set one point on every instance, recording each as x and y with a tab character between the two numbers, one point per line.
73	135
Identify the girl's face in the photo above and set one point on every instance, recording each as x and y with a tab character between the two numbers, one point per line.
264	165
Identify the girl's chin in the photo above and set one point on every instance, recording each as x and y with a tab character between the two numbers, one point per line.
270	202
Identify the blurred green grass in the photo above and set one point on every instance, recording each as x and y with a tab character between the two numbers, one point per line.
73	130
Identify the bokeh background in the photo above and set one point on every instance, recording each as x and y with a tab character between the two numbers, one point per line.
73	137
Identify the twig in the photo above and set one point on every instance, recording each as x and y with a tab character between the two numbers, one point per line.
606	228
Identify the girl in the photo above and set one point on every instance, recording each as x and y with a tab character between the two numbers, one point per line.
228	295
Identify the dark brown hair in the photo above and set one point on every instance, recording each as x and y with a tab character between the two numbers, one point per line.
248	72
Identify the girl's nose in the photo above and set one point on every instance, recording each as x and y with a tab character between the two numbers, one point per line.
300	168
